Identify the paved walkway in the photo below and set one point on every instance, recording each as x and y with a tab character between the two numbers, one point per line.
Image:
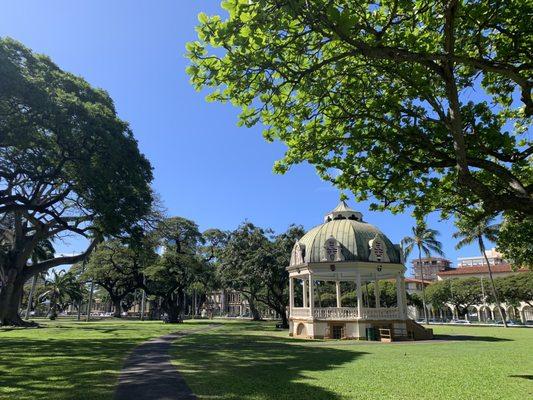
148	373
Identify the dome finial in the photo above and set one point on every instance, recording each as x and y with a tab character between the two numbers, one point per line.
343	211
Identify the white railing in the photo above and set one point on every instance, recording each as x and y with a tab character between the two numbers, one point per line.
381	313
300	312
335	313
345	313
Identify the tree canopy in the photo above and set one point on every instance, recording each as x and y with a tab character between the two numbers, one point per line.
382	92
68	165
178	267
461	293
514	240
516	288
118	269
253	262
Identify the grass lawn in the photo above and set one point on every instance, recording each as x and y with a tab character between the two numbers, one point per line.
65	359
242	360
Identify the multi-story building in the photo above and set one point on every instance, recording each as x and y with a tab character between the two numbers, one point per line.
227	303
494	257
414	286
431	266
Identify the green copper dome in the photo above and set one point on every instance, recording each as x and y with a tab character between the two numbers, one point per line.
353	237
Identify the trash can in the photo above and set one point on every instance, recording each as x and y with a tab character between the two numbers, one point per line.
371	334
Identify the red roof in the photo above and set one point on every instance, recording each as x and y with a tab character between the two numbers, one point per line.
497	269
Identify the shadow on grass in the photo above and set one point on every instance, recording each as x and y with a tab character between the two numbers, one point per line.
62	368
247	365
69	367
472	338
528	377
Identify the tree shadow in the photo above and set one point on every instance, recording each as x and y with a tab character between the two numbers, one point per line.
528	377
247	365
72	366
471	338
61	368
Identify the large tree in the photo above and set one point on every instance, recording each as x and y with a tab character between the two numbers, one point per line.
275	277
516	288
117	268
247	253
68	166
421	103
178	268
253	262
461	293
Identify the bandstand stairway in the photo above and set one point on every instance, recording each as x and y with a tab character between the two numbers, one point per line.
417	331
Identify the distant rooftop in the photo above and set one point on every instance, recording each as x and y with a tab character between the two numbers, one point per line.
491	253
496	269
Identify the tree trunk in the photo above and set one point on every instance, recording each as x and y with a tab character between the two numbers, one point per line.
30	296
10	296
492	286
172	307
423	285
256	316
89	302
283	315
143	304
117	304
53	307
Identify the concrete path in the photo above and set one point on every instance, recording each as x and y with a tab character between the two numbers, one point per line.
148	373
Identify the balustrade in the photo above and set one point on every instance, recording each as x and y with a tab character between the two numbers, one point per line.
346	313
381	313
300	312
335	313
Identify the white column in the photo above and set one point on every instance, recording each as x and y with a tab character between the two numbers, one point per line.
359	294
376	291
399	295
291	295
305	294
311	295
404	298
338	292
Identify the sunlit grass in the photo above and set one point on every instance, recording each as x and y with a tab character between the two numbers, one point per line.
252	361
66	359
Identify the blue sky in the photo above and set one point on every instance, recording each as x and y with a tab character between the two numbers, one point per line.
206	168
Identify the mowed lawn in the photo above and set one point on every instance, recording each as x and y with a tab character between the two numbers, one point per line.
253	361
66	359
244	360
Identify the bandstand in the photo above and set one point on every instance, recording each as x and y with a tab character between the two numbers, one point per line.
346	249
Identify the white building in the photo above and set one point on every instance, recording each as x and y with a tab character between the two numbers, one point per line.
346	249
493	256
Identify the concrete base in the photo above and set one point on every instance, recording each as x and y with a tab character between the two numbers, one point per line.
354	329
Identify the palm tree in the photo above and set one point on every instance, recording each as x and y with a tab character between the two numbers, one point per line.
472	229
44	251
424	239
63	288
